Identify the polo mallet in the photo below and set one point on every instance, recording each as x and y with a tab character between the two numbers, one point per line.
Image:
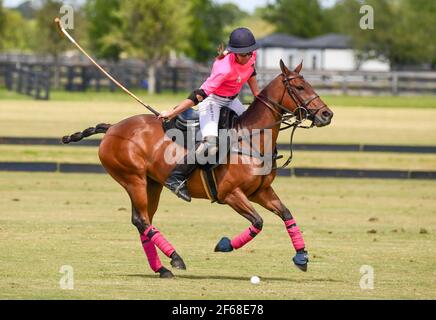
62	31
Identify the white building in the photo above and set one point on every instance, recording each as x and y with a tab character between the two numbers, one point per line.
327	52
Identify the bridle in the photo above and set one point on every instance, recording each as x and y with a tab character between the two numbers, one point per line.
287	115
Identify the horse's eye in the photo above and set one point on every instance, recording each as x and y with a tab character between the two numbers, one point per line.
300	87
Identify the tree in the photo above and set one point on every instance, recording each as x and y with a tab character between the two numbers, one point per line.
414	31
255	22
48	38
18	33
303	18
401	29
2	23
27	9
151	29
210	27
103	21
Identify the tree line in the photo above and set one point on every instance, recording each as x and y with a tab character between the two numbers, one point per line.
152	29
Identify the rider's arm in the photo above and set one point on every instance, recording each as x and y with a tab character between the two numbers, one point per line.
252	82
194	98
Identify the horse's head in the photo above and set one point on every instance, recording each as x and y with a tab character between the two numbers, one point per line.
298	97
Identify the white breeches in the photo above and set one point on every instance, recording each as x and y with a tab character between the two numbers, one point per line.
209	111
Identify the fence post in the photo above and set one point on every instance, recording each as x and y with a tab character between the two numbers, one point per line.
36	88
9	76
175	79
394	80
158	76
84	77
20	80
70	78
344	85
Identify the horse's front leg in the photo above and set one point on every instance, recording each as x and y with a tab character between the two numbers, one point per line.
268	199
238	201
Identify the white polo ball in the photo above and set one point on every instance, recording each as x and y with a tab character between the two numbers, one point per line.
255	280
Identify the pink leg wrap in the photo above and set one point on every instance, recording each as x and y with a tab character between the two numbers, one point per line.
151	253
159	241
295	234
244	237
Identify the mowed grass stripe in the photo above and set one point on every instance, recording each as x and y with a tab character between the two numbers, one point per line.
358	125
422	101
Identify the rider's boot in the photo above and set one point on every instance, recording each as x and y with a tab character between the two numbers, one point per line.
178	179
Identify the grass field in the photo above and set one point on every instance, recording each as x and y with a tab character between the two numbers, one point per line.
84	221
48	220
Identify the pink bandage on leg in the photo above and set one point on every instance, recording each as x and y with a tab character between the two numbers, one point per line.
159	241
244	237
295	234
151	253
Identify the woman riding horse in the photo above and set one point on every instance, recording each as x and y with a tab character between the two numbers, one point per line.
133	153
231	70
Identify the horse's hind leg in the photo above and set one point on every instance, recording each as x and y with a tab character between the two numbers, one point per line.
145	197
149	248
238	201
268	199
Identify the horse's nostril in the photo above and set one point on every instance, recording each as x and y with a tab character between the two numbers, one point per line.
326	114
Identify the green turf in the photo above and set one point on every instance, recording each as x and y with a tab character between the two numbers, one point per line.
51	220
92	95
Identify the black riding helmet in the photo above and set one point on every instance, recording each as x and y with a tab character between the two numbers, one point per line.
242	41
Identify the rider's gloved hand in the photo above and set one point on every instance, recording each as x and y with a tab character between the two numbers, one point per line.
166	115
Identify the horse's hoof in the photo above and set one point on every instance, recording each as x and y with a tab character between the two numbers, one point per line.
224	245
165	273
300	260
177	261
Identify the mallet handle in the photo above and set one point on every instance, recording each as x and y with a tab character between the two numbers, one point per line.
63	31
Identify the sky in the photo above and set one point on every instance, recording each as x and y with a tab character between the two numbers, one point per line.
246	5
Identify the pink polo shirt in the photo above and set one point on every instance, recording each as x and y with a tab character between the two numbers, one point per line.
228	76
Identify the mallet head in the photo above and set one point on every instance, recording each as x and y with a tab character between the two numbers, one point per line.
58	25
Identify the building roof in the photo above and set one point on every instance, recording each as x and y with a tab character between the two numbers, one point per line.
279	40
327	41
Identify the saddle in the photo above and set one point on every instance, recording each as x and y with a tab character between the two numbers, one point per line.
188	124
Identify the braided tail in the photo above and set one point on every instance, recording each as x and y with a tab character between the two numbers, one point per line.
75	137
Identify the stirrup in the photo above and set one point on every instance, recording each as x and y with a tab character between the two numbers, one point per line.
181	185
180	193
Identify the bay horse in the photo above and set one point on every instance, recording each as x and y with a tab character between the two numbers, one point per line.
132	152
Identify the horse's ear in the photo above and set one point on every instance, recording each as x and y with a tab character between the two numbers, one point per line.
285	70
299	67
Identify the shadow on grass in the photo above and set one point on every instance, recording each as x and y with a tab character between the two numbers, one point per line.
206	277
